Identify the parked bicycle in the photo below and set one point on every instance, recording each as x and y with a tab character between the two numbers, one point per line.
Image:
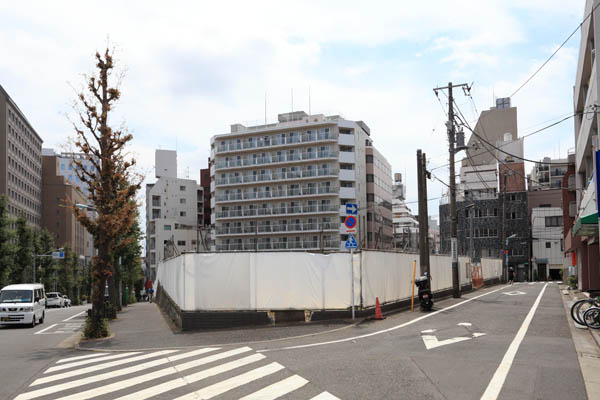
580	308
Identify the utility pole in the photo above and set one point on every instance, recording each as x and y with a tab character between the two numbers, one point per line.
423	215
456	289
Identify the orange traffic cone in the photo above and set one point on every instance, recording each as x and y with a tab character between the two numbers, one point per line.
378	314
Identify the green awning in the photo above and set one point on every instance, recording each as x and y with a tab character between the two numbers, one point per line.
586	225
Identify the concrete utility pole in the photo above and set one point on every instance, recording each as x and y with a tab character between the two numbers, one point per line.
423	215
452	150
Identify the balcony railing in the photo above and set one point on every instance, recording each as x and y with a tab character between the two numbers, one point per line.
278	245
305	209
278	176
277	228
278	141
272	194
274	159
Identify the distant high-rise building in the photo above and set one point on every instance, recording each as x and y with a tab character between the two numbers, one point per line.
20	162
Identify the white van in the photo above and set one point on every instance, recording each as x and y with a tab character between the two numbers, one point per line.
22	304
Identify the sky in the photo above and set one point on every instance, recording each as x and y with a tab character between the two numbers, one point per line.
194	68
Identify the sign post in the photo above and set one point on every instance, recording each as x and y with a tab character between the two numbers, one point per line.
350	222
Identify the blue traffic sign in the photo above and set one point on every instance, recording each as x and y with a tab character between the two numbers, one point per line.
350	222
351	242
351	208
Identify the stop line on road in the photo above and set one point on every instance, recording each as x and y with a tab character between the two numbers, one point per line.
143	374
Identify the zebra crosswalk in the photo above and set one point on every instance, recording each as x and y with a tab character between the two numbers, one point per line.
203	373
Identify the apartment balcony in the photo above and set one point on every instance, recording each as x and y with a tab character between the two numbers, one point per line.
277	211
277	159
347	157
278	142
279	245
346	140
279	194
347	175
279	176
347	193
269	229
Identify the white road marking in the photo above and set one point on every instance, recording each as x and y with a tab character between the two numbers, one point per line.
429	331
393	328
73	316
94	368
107	375
85	362
45	329
464	324
278	389
325	396
64	360
186	380
431	341
495	386
224	386
514	293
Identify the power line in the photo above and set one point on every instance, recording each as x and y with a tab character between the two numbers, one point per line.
556	51
522	137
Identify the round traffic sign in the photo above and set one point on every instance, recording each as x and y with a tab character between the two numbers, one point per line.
350	222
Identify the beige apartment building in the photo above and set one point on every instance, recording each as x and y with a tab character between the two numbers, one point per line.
284	186
380	228
20	162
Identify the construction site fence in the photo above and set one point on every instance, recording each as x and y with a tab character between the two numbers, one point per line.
303	281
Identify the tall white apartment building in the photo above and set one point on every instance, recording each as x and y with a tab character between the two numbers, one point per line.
285	185
173	209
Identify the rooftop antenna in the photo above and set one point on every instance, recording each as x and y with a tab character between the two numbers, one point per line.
309	100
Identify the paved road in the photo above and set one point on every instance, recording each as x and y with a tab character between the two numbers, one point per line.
504	342
26	351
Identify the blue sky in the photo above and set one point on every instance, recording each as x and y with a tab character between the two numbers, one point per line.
194	68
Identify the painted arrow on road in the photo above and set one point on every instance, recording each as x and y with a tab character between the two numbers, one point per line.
515	293
431	341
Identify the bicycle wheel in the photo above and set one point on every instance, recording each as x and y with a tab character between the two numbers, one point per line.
592	318
578	308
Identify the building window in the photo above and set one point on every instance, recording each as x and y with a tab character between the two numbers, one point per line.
181	243
369	159
182	188
167	227
554	221
182	213
181	201
370	178
548	245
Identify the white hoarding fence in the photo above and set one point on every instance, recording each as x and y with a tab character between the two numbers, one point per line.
300	281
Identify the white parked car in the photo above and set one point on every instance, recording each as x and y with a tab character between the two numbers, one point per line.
67	301
22	304
55	299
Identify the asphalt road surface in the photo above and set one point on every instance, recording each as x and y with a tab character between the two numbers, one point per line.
499	343
25	351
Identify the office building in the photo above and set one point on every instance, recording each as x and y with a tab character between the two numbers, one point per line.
547	174
57	215
20	162
284	186
380	229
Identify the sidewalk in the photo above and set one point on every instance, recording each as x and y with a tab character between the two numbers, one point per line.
143	326
587	345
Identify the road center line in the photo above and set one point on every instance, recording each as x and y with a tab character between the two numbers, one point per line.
45	329
393	328
73	316
495	386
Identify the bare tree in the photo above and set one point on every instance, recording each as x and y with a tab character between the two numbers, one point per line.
112	183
